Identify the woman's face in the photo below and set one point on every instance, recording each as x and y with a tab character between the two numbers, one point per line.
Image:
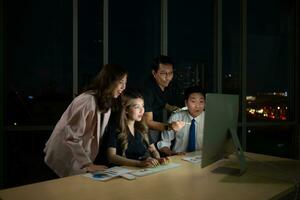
135	110
120	87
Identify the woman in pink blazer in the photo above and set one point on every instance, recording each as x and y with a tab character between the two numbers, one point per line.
76	138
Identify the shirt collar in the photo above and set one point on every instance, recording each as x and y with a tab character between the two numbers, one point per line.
198	118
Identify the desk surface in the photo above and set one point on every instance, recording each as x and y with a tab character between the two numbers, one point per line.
261	181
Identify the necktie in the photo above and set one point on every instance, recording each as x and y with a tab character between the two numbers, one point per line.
192	137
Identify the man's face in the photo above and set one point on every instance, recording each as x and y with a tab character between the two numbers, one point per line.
195	104
164	75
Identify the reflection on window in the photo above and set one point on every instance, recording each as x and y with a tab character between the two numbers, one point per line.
231	28
90	40
270	60
134	37
267	106
271	140
38	81
184	77
190	43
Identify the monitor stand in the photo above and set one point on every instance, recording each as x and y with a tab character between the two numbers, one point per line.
235	144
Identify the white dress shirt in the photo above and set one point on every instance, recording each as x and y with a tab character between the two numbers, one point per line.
182	136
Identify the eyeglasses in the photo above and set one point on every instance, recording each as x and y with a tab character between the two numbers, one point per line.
166	73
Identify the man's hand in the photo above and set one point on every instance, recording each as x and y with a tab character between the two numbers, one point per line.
167	151
177	125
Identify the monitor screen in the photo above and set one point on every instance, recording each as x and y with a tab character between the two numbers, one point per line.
220	129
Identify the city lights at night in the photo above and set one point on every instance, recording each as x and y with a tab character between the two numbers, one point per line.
267	106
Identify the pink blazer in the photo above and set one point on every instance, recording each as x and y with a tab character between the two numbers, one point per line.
76	137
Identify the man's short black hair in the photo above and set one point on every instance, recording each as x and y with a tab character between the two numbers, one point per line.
193	89
162	59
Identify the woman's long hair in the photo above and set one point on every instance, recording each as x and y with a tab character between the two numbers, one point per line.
139	126
104	84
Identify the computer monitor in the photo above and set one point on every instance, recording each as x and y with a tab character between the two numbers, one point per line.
220	129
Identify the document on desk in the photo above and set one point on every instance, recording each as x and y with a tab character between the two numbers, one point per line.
193	159
108	174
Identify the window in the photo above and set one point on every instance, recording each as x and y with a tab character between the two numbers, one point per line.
190	43
38	66
134	36
270	60
271	140
231	80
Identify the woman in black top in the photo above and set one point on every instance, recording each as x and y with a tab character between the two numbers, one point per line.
130	144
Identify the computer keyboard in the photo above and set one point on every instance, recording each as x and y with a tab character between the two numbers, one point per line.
152	170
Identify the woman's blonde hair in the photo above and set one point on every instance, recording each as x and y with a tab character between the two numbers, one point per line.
140	126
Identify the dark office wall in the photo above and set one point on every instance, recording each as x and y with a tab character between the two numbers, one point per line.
1	93
297	75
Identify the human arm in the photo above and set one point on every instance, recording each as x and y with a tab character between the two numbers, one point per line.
155	125
168	152
78	130
159	126
153	105
120	160
153	151
155	154
94	168
171	108
166	149
73	144
165	144
168	137
115	155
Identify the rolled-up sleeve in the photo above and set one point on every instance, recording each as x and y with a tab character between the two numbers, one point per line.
166	139
168	136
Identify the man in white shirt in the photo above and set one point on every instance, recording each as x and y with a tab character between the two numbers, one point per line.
195	102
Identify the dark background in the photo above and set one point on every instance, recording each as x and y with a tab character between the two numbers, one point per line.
37	66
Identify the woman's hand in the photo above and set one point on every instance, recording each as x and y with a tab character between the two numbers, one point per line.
149	162
164	161
94	168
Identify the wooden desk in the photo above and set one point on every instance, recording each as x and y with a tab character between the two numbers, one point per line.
261	181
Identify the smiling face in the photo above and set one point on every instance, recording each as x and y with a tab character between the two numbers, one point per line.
195	104
163	75
119	87
135	110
